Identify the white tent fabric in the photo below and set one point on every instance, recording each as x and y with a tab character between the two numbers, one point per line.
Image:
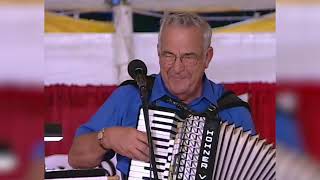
21	44
79	59
298	42
89	58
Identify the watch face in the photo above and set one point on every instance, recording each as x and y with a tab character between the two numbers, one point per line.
100	135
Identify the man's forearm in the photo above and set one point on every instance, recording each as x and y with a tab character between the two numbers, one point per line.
86	151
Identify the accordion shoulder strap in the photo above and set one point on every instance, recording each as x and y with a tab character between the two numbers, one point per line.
231	100
150	80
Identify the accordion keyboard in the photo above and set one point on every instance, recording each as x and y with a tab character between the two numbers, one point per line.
163	127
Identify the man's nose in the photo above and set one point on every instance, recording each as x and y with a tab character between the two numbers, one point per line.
178	66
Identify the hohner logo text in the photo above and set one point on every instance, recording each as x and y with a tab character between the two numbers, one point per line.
206	152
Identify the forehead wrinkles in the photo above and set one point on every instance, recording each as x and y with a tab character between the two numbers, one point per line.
185	42
179	48
180	52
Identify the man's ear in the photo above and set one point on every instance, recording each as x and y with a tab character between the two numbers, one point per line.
209	56
158	49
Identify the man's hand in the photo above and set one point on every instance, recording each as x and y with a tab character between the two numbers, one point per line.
128	142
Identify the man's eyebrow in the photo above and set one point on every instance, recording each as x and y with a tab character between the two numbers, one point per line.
190	54
167	52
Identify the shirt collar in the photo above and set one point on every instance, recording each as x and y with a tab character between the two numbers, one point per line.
208	90
159	90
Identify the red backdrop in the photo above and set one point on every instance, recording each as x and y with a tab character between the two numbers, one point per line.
308	113
71	106
21	129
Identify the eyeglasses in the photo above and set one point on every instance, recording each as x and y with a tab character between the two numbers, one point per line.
188	59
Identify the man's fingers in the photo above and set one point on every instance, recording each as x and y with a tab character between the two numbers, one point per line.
138	155
142	136
142	147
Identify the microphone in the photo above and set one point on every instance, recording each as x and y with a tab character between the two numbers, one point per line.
138	71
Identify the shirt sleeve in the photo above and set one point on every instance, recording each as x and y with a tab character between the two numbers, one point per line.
111	113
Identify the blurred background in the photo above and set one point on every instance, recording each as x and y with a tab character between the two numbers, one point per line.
61	59
298	80
21	89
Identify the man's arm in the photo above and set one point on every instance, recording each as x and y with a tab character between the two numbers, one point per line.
87	152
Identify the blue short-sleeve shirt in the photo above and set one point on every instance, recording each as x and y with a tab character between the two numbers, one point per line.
123	106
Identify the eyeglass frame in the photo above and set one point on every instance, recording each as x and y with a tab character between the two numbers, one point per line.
195	59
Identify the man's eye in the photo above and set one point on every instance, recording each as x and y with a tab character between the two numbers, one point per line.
168	56
189	57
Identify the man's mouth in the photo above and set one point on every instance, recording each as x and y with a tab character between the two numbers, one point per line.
178	78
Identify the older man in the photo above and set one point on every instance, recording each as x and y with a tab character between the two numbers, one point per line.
184	53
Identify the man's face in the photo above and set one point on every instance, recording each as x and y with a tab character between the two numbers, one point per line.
183	60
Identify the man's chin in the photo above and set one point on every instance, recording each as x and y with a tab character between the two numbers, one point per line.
179	92
177	88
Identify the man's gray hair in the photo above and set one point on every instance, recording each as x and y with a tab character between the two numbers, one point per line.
186	20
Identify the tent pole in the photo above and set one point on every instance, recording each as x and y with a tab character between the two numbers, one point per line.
123	39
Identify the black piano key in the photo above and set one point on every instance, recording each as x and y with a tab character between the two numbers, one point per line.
163	130
75	173
160	157
163	116
159	170
160	139
148	178
163	147
165	123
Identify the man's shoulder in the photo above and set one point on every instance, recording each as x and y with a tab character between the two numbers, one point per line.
228	98
217	88
125	93
127	90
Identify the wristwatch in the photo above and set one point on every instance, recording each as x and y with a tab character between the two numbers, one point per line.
100	137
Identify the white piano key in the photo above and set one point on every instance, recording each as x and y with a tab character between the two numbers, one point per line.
146	164
161	143
162	119
156	132
136	174
162	150
171	114
158	125
133	178
151	116
161	153
144	169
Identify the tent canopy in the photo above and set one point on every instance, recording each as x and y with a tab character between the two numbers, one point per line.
161	5
63	24
259	25
55	23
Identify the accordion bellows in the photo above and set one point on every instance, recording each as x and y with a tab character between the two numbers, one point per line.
185	148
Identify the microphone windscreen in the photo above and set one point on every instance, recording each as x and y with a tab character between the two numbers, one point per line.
136	65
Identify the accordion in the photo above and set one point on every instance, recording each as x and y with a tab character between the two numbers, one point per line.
191	148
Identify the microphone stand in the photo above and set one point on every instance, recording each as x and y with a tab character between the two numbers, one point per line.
144	98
